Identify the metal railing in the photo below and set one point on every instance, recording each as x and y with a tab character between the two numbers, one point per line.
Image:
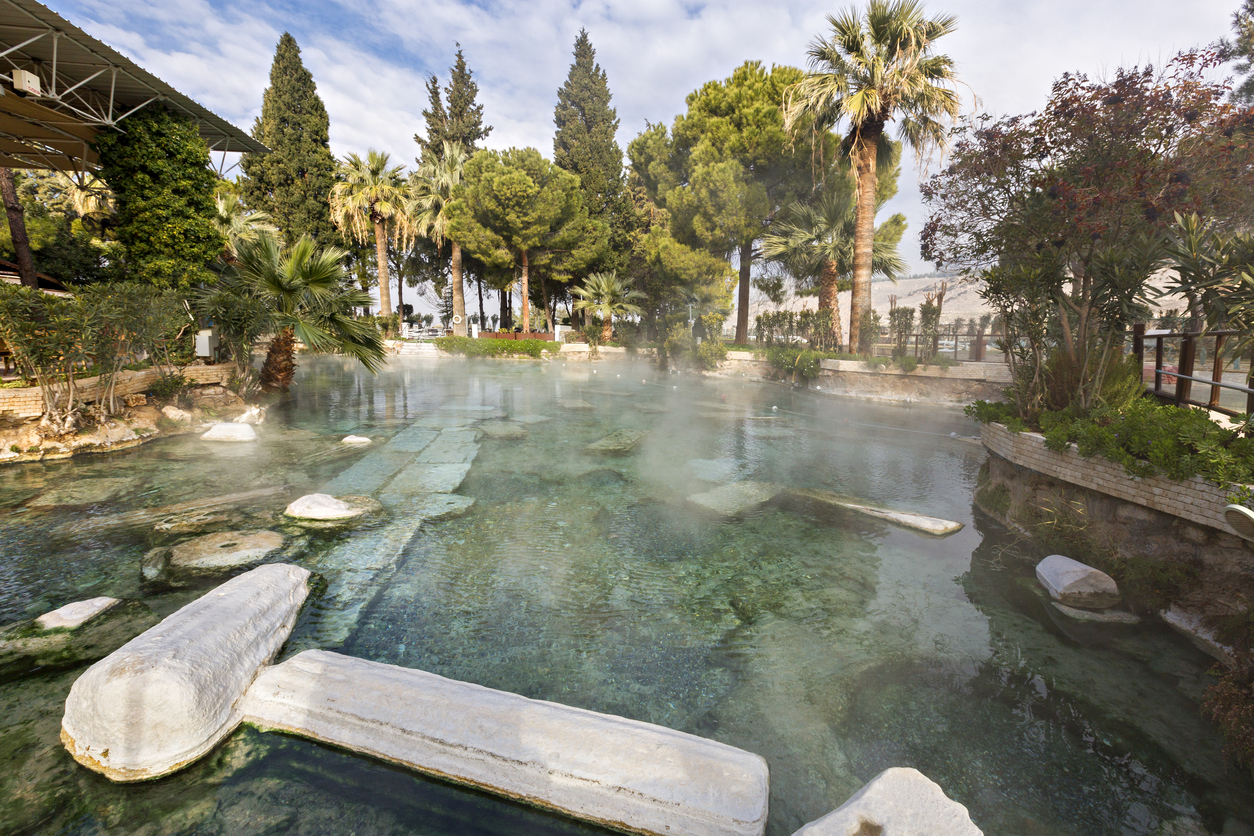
1184	374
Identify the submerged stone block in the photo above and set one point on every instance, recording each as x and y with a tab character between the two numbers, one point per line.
1073	583
616	444
412	439
503	430
76	614
897	802
452	447
170	695
370	473
737	498
427	478
230	432
621	773
224	550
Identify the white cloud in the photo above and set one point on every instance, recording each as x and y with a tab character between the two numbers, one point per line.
371	59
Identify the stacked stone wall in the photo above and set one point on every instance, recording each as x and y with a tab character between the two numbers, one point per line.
22	404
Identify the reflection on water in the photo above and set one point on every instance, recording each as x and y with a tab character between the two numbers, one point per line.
831	644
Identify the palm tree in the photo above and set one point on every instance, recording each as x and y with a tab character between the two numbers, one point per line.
298	294
368	195
237	225
89	197
605	295
870	71
430	190
816	241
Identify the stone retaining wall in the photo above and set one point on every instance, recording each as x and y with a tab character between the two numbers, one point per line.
20	404
957	385
1197	500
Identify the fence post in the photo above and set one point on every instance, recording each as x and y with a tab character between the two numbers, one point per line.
1158	365
1188	349
1138	348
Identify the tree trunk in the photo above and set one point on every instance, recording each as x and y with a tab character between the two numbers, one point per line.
742	304
828	297
864	149
503	296
544	293
459	295
526	300
381	257
483	318
17	229
280	365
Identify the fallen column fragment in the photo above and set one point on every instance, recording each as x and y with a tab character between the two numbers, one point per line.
617	772
897	802
171	694
906	519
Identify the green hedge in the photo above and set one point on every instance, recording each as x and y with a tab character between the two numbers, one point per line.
496	348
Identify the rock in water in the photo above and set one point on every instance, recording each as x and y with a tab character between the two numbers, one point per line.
1072	583
736	498
622	773
354	439
897	802
71	635
253	415
75	614
225	550
170	695
320	506
616	444
230	432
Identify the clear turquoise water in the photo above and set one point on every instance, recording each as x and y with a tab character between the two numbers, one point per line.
833	645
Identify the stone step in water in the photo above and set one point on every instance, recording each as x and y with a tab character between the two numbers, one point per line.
736	498
618	443
414	491
620	773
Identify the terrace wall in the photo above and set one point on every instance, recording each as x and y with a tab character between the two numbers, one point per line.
1135	517
23	404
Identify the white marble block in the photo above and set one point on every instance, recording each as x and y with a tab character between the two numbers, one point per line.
169	695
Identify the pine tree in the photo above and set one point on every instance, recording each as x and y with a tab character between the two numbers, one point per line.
294	180
460	121
585	143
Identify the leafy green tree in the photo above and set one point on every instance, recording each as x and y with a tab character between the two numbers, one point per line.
297	294
873	69
160	176
728	166
515	208
605	296
430	190
585	145
293	181
456	118
367	198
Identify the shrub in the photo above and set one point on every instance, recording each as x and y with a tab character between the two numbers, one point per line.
710	353
173	387
1231	703
496	348
906	363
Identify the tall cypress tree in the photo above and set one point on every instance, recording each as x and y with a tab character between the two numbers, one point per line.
460	121
585	145
294	180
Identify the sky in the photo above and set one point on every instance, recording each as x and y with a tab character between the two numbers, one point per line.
371	59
